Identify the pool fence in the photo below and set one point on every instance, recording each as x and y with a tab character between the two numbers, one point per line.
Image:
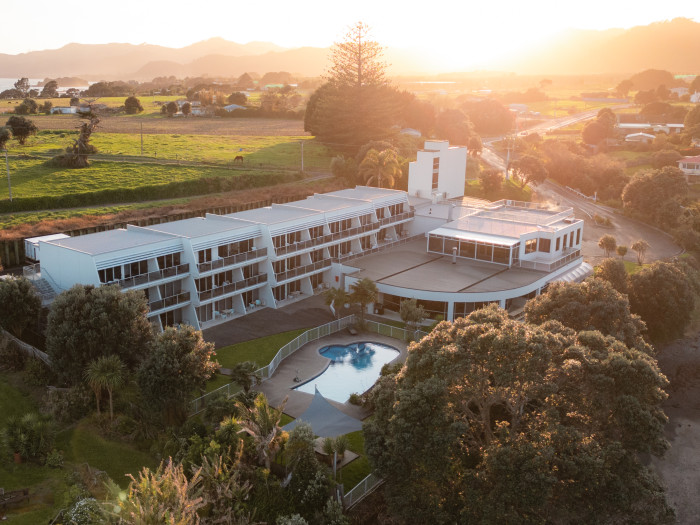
313	334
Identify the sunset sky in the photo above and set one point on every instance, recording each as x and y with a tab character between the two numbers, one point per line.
459	33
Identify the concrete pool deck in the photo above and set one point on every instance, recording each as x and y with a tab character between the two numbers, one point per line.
310	363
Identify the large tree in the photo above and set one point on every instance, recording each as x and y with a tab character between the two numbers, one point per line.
591	305
132	105
655	195
177	365
50	89
662	294
21	128
87	322
76	155
528	168
19	305
495	421
105	373
355	105
5	136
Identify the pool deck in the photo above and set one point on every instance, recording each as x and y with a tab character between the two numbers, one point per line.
310	363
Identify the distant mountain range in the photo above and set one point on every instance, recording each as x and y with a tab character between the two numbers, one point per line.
673	45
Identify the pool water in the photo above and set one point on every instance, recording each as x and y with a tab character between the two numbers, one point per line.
353	368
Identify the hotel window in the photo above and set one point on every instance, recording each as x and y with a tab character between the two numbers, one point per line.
204	256
451	245
563	241
137	268
436	172
556	249
531	245
110	274
316	232
501	254
170	261
316	255
250	270
435	244
544	246
578	236
484	252
467	249
380	213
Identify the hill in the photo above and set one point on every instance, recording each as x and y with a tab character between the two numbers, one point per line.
672	45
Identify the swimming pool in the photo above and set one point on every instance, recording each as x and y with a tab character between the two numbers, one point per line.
353	368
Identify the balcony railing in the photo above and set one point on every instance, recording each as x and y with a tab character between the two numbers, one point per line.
396	218
233	287
301	245
295	272
231	260
169	301
151	277
550	266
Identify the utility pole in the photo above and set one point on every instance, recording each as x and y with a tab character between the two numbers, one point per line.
9	184
302	155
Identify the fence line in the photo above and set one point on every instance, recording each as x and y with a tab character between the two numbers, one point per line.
27	348
313	334
359	491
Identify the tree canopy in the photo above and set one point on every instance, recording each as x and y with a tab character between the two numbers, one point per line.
21	128
655	195
495	421
87	322
529	168
132	105
19	305
380	168
50	89
357	59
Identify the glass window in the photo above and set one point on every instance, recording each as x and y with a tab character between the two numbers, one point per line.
578	236
467	249
484	252
544	245
556	249
530	245
451	245
435	244
501	254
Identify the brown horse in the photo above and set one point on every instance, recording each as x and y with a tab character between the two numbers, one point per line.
238	158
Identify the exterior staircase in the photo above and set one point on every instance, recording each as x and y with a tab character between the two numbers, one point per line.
45	290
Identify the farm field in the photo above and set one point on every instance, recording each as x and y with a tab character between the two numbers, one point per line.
151	105
270	151
181	125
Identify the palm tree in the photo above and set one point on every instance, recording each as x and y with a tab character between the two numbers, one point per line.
380	168
363	293
246	375
336	297
105	373
262	423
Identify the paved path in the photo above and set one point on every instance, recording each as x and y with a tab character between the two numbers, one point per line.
309	363
305	313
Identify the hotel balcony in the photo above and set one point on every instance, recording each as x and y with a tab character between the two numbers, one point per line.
232	261
327	239
302	270
233	288
169	303
153	278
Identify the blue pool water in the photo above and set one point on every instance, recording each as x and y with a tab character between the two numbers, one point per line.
353	368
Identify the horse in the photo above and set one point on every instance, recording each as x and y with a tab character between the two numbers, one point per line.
238	158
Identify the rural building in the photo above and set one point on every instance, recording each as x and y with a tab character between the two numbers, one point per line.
64	110
691	167
453	255
644	138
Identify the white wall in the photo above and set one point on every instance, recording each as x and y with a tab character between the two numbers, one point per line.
66	268
451	173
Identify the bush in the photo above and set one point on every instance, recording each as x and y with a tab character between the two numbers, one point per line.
355	399
38	373
54	459
85	512
67	405
31	436
12	357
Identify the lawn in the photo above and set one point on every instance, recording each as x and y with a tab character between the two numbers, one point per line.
83	444
13	402
632	267
269	151
509	190
351	474
260	350
34	178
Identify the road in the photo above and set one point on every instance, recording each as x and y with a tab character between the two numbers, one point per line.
490	156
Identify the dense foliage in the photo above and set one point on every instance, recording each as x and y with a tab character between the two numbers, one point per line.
19	305
495	421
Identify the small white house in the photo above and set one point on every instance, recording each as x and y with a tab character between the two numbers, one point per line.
233	107
644	138
691	167
64	110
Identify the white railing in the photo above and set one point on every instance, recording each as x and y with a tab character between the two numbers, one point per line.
312	334
551	266
359	491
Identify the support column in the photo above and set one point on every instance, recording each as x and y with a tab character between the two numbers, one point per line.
450	311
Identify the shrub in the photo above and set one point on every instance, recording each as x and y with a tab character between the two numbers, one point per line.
355	398
85	512
66	405
31	436
54	459
12	357
38	373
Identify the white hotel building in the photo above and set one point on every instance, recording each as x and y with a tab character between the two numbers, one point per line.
428	243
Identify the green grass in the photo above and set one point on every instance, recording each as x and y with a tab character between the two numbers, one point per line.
13	402
632	267
83	444
277	151
351	474
260	350
33	178
218	381
510	190
151	104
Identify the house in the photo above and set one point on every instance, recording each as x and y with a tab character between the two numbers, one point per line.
232	107
452	255
680	91
691	167
644	138
669	129
64	110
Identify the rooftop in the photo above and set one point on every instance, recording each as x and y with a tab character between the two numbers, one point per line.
112	240
410	266
199	226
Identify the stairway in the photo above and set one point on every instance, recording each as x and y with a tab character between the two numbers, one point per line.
45	290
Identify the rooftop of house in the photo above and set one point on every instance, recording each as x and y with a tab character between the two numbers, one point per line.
696	158
200	226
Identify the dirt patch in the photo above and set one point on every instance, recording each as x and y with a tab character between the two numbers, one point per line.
680	467
185	126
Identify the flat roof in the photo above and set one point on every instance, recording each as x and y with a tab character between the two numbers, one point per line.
111	240
319	203
199	226
272	214
410	266
366	193
475	236
44	238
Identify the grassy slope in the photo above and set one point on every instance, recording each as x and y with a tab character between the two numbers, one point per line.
261	350
510	190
